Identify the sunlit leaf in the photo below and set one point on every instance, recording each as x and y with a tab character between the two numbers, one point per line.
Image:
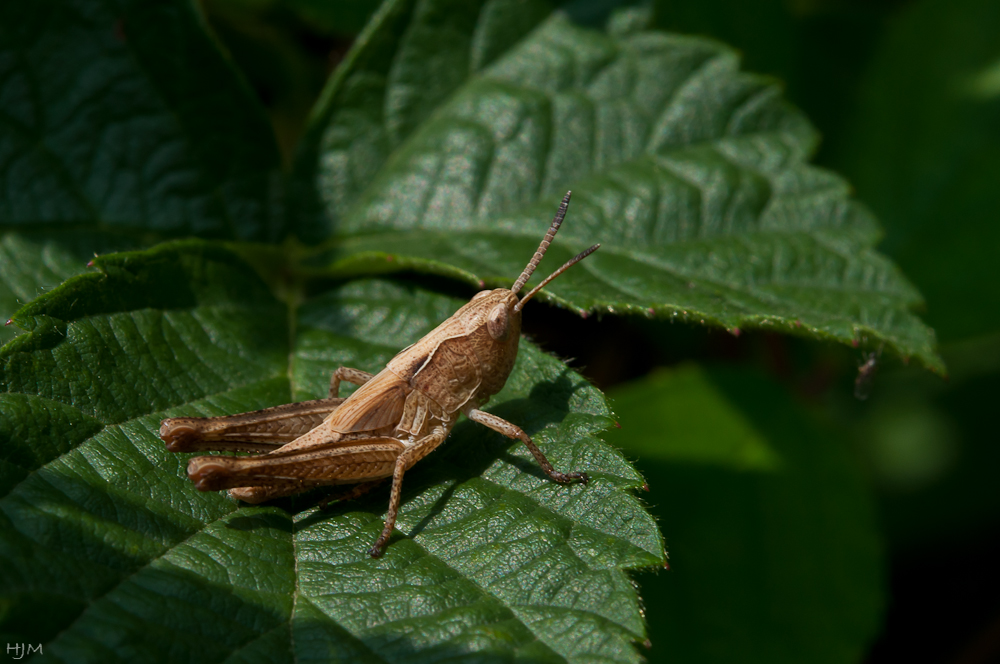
691	173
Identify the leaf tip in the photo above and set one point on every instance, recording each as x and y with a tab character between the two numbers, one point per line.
9	321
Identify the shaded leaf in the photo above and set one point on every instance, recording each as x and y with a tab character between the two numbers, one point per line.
763	30
122	124
346	18
774	555
126	116
100	522
32	263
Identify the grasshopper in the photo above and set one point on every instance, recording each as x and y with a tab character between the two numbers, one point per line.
392	421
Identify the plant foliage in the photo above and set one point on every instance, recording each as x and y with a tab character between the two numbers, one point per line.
441	144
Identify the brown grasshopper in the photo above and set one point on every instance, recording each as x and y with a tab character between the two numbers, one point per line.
394	419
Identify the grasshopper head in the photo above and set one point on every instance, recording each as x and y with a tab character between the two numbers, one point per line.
496	311
496	314
503	305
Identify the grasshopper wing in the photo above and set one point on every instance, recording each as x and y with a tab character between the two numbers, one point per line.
375	406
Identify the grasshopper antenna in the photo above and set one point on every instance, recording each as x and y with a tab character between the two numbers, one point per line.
537	258
576	259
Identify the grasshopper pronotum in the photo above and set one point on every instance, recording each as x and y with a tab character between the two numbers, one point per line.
393	420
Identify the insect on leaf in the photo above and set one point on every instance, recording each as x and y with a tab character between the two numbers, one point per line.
489	547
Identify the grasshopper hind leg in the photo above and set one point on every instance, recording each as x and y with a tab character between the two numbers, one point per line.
257	431
260	430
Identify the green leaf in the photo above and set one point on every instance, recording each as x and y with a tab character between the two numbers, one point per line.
924	150
409	59
774	552
121	125
126	116
101	526
691	174
32	263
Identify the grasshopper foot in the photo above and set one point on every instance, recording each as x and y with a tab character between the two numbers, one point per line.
569	478
378	549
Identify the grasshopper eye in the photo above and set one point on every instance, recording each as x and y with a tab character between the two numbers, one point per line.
497	324
480	294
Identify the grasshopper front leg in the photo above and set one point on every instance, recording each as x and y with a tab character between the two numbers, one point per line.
356	376
501	425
